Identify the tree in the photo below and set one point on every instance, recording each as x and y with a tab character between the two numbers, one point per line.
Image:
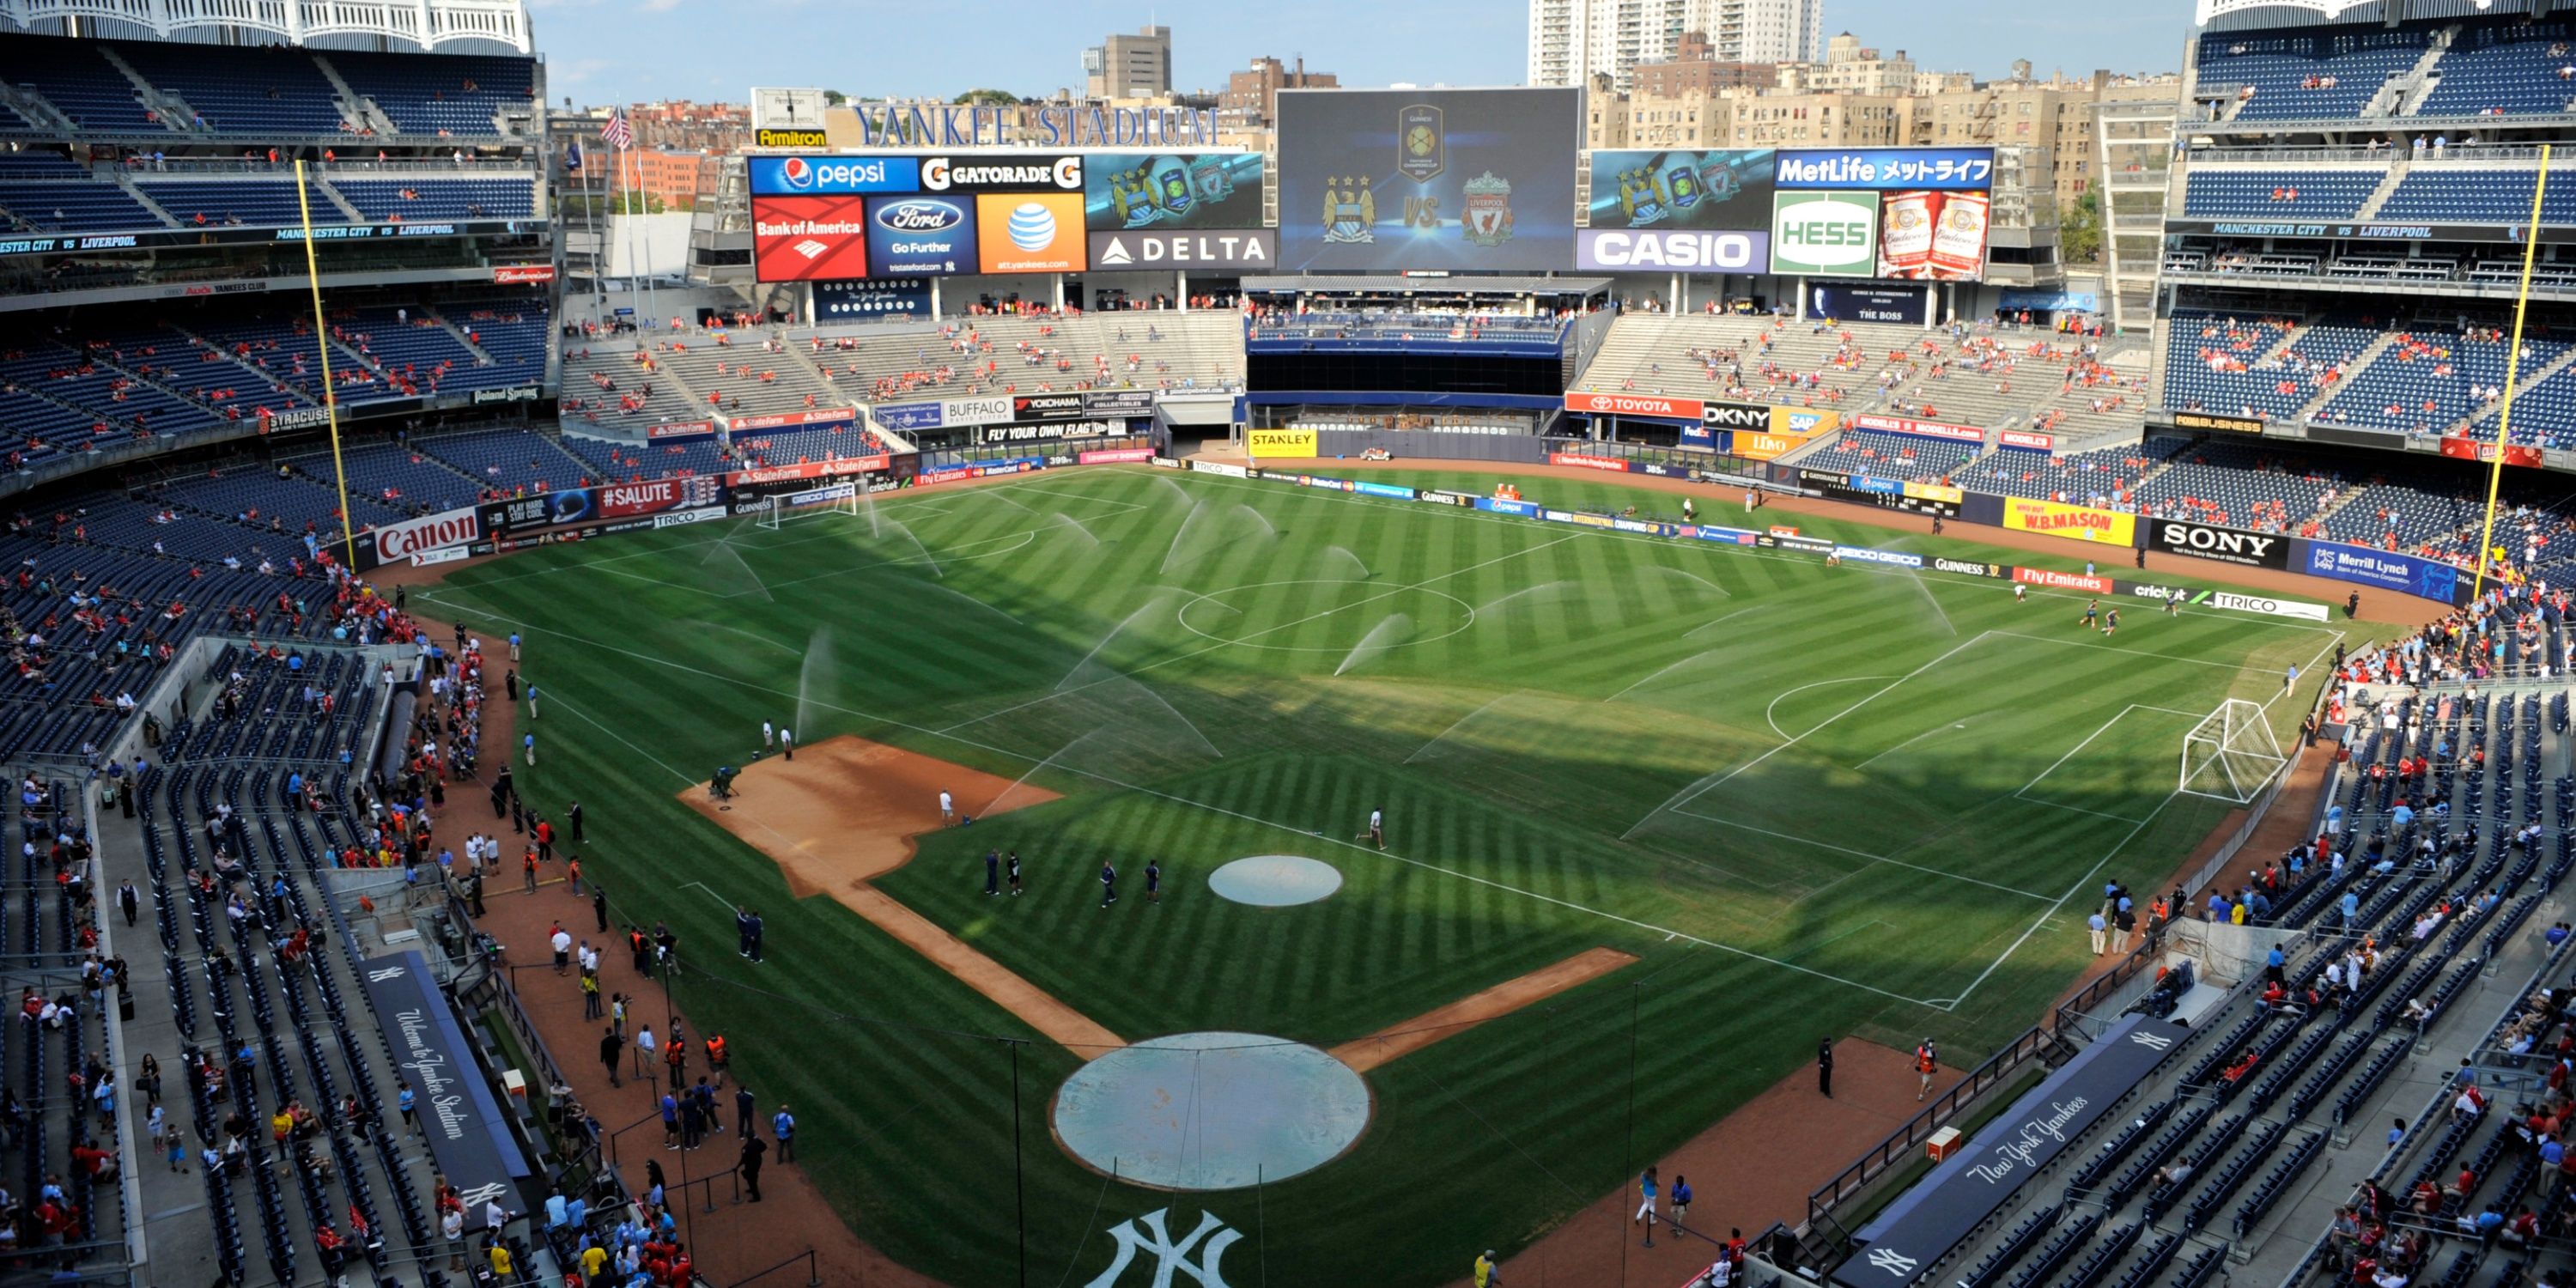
2079	230
834	98
986	98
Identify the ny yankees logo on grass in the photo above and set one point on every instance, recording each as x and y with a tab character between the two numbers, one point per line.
1147	1234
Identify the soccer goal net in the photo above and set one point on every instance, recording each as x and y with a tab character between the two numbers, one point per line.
2231	754
839	498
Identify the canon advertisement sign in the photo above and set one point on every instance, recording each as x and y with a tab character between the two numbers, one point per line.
419	536
2228	545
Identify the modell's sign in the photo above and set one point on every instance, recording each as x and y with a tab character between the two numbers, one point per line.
619	500
808	470
419	536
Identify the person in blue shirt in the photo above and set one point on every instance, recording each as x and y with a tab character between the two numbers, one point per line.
2273	961
1681	1198
2219	908
1646	1202
2351	908
2557	934
2396	1132
782	1128
410	1110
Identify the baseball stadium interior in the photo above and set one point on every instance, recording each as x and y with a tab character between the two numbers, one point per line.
290	314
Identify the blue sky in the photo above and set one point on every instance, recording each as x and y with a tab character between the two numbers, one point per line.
602	51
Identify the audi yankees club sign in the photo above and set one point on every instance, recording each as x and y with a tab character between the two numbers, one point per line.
2228	545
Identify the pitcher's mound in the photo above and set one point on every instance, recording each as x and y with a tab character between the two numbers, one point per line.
1211	1111
846	809
1275	880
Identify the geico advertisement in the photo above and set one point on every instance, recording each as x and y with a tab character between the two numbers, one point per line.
1281	442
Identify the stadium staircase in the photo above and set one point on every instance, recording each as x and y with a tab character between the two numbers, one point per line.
2316	404
2398	167
2407	90
481	354
1635	340
126	184
174	110
353	105
2469	424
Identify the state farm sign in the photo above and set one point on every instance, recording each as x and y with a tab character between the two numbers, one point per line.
808	470
419	536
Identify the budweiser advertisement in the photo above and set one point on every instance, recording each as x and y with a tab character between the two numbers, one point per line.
433	532
519	274
2471	449
1633	405
619	500
808	470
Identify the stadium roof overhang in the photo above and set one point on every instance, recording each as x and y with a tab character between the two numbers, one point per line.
2254	15
422	24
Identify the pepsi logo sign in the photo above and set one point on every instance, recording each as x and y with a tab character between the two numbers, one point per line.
797	173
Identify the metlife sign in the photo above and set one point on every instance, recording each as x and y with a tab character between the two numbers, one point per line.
1671	250
1824	234
1137	248
2228	545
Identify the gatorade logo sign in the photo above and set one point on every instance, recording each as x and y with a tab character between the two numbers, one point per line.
1827	234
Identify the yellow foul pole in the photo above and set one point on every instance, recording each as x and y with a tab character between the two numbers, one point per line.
331	395
2512	369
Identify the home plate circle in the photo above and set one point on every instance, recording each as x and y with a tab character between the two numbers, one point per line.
1211	1111
1275	880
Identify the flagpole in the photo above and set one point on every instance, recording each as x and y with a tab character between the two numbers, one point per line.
322	347
2512	371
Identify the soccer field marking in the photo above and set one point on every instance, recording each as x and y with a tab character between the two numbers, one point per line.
1858	854
945	552
1454	725
1735	552
2082	883
711	892
1658	673
1183	657
2072	809
1694	792
1784	693
2140	652
1956	724
1848	932
1723	617
2021	792
1305	834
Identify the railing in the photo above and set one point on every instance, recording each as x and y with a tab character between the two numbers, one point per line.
813	1276
1899	1146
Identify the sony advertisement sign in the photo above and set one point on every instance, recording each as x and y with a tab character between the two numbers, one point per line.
1671	250
2228	545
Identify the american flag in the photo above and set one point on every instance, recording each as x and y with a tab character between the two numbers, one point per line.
617	132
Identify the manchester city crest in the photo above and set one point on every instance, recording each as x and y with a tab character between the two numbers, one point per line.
1421	142
1350	211
1643	197
1488	220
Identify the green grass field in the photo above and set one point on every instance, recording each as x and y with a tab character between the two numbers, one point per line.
1811	800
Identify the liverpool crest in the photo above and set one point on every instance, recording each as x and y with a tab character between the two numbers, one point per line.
1488	218
1421	143
1350	211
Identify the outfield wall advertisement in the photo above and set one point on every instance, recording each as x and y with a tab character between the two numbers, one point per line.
1405	180
2210	541
2384	569
2073	522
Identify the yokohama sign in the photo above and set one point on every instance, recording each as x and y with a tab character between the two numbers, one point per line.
808	470
1633	405
419	536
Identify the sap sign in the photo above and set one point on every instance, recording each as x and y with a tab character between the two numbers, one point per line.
1671	250
1828	234
831	176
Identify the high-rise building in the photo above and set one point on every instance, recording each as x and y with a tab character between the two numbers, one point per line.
1570	41
1123	66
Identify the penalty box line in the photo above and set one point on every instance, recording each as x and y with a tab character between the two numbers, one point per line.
1860	854
1667	932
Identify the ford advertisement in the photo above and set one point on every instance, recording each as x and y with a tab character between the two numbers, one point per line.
921	236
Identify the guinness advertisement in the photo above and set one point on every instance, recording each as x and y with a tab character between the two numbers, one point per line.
2222	424
2227	545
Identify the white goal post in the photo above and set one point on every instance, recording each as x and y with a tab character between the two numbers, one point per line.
838	498
2232	754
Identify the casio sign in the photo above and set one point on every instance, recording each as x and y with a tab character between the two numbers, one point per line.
919	216
1676	249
